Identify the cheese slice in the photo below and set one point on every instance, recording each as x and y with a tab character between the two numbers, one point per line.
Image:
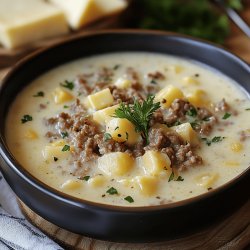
25	21
82	12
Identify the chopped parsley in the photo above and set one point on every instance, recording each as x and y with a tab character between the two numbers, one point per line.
26	118
139	113
64	134
107	136
247	109
192	112
213	140
66	148
85	178
112	191
195	124
39	94
226	115
67	84
153	81
117	66
66	106
129	199
171	178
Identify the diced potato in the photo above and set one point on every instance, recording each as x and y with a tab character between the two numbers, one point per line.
71	185
122	130
101	99
190	80
54	150
232	164
236	147
147	184
104	115
177	68
155	162
31	134
61	96
168	94
198	98
206	180
123	83
97	181
187	133
115	164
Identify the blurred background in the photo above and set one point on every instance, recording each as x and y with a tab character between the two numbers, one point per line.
27	25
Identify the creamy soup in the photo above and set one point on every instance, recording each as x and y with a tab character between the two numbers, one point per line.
131	129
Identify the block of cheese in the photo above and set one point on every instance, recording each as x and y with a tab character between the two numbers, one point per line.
82	12
25	21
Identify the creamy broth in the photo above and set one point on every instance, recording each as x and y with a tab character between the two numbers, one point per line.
223	159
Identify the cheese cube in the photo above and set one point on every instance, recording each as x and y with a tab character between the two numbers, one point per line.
115	164
190	80
82	12
71	185
187	133
154	162
147	184
123	83
104	115
97	181
198	98
122	130
177	68
101	99
25	21
61	96
167	95
206	180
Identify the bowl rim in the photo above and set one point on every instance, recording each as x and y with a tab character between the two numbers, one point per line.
80	202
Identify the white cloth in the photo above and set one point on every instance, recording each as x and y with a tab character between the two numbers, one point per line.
16	233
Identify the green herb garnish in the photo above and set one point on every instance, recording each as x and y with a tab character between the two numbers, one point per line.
39	94
117	66
107	136
129	199
153	81
112	191
67	84
171	177
179	178
247	109
192	112
226	115
26	118
65	106
85	178
64	134
139	114
66	148
214	140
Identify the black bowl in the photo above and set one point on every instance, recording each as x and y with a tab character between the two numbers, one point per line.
127	224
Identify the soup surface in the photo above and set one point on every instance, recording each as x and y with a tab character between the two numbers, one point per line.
131	129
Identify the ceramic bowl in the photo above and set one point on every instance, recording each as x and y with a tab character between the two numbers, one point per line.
116	223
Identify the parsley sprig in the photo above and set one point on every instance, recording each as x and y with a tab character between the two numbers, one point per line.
139	114
68	85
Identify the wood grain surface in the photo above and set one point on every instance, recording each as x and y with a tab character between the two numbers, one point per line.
233	233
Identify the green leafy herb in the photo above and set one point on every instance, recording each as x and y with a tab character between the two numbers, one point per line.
226	115
116	128
192	112
247	109
129	199
65	106
39	94
213	140
171	177
153	81
107	136
67	84
195	124
26	118
64	134
112	191
206	119
139	114
179	178
117	66
66	148
85	178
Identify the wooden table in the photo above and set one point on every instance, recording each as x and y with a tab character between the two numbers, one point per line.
233	233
